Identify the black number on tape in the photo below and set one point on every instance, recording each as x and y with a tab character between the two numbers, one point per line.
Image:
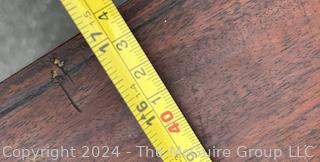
139	73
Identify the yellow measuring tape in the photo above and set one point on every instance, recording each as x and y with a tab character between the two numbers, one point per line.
136	80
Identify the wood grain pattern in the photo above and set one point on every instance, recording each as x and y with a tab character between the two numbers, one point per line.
244	72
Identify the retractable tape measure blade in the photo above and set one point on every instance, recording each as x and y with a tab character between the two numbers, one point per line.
131	72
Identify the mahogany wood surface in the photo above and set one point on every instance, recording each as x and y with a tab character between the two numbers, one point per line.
244	73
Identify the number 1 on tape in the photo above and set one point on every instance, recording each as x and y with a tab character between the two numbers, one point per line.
136	80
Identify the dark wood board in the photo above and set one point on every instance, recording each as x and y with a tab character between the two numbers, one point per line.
244	73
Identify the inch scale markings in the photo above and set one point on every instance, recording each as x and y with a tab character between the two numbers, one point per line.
136	80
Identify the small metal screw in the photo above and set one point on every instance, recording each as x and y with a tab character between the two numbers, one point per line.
58	62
